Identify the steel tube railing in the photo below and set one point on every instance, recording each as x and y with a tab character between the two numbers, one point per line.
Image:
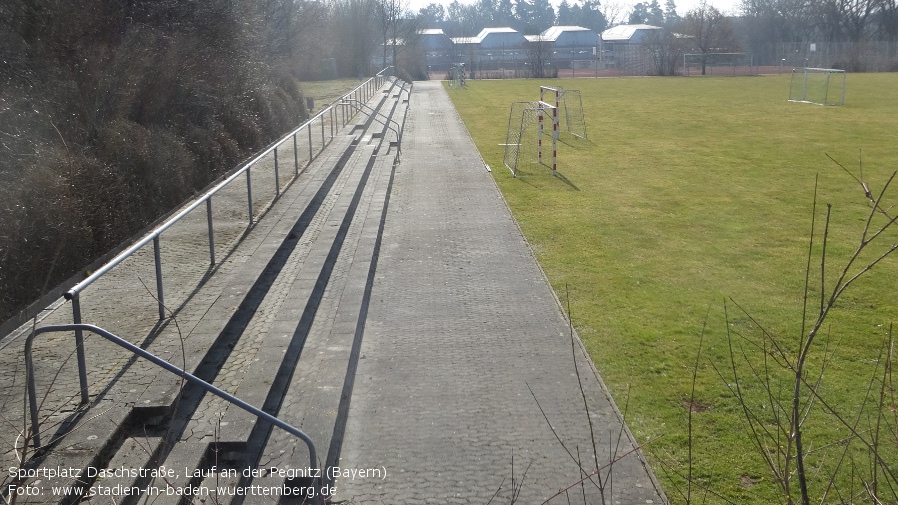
157	259
211	231
363	92
72	293
249	194
295	157
32	388
277	175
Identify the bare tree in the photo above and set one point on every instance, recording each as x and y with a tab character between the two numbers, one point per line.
887	20
354	36
855	17
398	28
710	31
666	50
614	12
539	56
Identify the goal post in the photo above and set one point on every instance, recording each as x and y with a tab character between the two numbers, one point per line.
822	86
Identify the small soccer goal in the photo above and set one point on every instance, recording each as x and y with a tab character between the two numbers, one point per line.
823	86
719	64
571	118
528	123
457	76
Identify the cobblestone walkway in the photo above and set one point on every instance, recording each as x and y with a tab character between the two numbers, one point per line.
461	329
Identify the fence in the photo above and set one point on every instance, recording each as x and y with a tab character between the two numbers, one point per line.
760	58
850	56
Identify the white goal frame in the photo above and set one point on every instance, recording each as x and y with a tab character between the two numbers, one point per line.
815	85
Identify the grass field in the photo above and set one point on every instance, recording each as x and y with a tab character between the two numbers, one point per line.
691	193
326	92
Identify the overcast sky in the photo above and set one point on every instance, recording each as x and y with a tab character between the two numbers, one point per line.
683	6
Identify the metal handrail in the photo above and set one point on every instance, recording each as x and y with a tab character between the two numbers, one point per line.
71	293
362	92
32	394
398	130
377	115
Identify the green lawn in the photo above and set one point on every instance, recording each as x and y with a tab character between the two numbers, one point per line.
689	192
326	92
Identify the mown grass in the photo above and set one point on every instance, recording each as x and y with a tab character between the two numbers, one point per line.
326	92
688	192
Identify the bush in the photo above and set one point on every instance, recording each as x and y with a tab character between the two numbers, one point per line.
125	106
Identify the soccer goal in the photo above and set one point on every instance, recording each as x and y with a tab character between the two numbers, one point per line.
571	118
457	76
527	125
719	64
823	86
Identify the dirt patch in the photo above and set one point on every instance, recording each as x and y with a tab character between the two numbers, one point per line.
697	406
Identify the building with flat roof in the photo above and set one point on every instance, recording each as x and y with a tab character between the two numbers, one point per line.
629	34
506	49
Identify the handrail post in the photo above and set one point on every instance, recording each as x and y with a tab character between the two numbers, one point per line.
158	260
211	230
311	154
79	349
277	175
249	194
32	391
295	157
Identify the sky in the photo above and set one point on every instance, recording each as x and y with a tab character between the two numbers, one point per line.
683	6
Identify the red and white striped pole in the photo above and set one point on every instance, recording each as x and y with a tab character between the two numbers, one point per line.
555	137
539	136
542	91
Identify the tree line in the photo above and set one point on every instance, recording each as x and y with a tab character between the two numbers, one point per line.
760	20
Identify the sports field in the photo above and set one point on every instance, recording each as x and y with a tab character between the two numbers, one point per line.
692	194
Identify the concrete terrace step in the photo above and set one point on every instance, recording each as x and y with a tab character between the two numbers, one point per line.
108	424
303	336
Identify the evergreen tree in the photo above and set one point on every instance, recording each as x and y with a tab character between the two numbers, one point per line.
590	16
432	15
566	15
671	17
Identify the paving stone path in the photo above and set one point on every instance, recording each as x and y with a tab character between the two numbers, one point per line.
392	312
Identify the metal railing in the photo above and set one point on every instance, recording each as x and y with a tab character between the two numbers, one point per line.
388	123
338	113
32	394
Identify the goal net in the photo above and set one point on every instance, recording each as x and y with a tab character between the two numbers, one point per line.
571	118
457	76
571	113
823	86
531	136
